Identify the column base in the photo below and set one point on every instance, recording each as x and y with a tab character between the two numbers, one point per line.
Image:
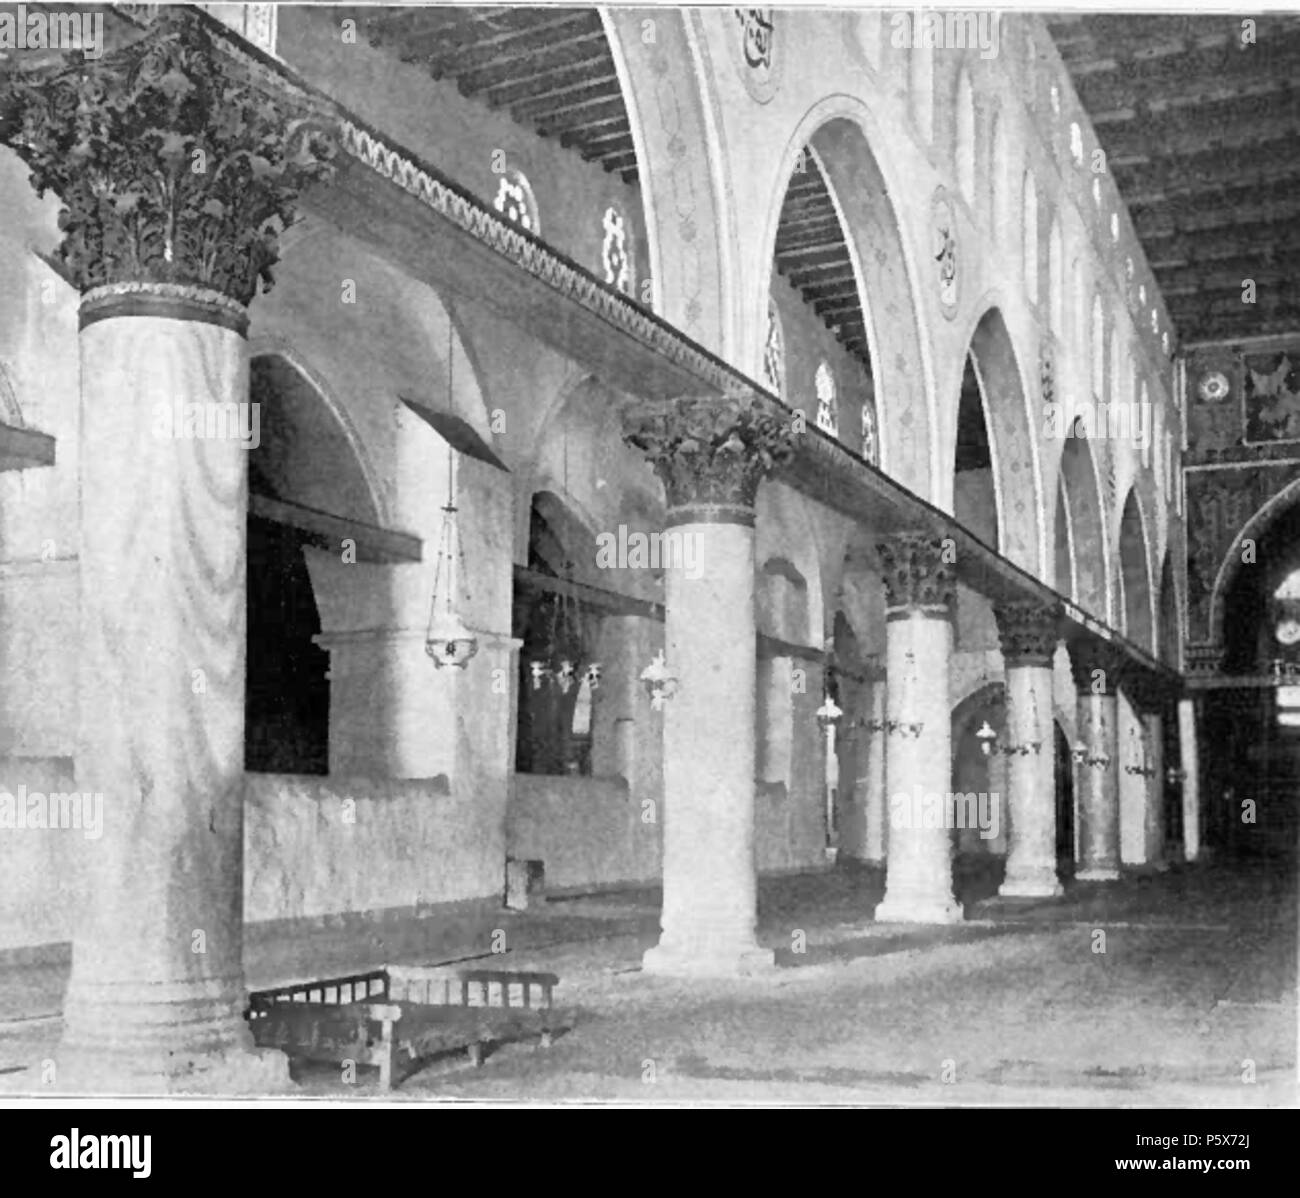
234	1073
1097	873
919	910
1036	883
708	960
1146	868
175	1037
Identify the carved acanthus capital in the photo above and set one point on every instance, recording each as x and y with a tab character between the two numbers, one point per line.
917	571
1097	666
710	452
1203	660
177	163
1029	632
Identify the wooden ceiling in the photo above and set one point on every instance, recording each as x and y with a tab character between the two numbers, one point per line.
550	68
812	254
1202	134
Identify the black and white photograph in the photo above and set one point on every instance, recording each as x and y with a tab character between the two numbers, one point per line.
656	557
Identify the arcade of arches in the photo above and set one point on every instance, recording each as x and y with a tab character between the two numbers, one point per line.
668	467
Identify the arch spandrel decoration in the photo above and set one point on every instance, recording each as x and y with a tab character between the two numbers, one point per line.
755	45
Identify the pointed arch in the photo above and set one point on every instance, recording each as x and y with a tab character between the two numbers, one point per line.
1088	543
1135	574
1011	443
840	131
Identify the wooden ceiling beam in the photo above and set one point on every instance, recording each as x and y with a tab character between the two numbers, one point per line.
1208	168
1175	246
795	259
807	203
1123	98
604	147
606	110
511	58
1215	218
1177	78
1191	199
623	165
390	27
1195	279
549	83
542	62
471	45
814	220
528	112
1197	131
828	307
833	273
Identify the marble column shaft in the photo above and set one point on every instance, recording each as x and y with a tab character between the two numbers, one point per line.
168	249
1189	763
709	915
156	994
1096	672
1029	636
920	588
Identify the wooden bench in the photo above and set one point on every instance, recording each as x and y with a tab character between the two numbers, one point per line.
398	1017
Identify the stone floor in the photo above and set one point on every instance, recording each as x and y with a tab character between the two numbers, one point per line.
1193	997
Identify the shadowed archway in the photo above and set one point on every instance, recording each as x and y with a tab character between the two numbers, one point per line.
992	395
860	284
1085	539
1135	574
303	463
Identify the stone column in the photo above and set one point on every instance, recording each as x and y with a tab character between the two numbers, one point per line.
874	773
919	587
156	995
1029	635
1096	676
627	735
385	694
1154	822
711	455
1188	761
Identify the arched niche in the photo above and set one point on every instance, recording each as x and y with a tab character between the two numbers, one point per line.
781	611
560	631
974	772
304	461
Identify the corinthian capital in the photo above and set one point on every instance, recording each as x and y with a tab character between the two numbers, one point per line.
1097	665
177	159
1029	632
710	452
917	571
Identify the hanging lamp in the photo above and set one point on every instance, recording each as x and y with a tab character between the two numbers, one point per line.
448	640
